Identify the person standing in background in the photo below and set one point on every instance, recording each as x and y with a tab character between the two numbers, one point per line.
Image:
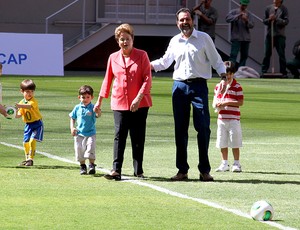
207	17
2	108
241	22
294	64
276	19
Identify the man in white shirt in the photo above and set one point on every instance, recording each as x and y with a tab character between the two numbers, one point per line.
194	54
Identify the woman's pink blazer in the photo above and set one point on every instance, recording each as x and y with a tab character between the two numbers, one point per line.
128	80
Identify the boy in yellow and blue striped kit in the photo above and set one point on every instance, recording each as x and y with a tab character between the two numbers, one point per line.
28	109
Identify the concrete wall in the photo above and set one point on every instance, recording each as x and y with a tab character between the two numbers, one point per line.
28	16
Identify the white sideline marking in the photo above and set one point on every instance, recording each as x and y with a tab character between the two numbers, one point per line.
160	189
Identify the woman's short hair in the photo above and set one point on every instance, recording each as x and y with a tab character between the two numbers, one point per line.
123	28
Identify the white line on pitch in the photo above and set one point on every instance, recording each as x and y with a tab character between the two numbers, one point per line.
160	189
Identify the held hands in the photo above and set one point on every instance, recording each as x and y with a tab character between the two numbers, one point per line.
73	132
97	109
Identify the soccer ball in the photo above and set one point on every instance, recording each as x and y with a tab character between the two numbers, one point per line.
262	211
11	112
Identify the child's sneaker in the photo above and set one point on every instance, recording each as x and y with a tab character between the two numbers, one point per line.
26	163
92	169
223	168
83	170
236	168
23	163
29	162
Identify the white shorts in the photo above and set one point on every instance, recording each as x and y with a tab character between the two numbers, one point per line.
85	147
229	134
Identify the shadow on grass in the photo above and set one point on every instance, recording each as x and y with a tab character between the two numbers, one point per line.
43	167
98	175
73	168
243	181
127	177
257	181
273	173
56	167
168	179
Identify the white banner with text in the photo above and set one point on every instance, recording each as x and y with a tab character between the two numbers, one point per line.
31	54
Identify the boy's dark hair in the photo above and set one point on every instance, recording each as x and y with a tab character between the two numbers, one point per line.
230	67
86	89
27	84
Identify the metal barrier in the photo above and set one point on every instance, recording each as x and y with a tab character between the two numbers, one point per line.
138	11
83	21
150	12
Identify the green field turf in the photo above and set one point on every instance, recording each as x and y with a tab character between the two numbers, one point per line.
52	194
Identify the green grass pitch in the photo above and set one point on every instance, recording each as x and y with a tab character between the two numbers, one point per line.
52	194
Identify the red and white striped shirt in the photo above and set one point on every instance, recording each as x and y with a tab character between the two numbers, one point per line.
234	93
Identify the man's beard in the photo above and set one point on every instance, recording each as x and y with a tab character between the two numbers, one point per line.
186	29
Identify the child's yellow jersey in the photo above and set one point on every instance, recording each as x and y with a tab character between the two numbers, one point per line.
32	114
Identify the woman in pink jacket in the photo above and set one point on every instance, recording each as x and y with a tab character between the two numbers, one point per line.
129	73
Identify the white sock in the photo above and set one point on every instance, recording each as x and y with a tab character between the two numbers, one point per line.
225	162
236	162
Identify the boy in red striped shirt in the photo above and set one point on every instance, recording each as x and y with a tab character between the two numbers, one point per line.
227	100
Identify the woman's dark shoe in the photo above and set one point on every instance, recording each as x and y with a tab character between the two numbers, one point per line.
113	176
140	176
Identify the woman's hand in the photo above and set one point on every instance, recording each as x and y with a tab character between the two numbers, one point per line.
134	105
136	102
97	110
